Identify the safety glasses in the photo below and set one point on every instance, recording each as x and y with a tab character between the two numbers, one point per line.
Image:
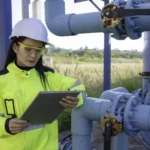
31	47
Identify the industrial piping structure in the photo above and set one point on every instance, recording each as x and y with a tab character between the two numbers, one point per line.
128	112
131	109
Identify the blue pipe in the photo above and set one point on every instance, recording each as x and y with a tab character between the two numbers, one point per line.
142	21
110	102
107	58
146	62
112	94
146	53
5	29
133	117
65	25
25	8
107	61
139	121
71	24
81	124
144	136
120	142
122	138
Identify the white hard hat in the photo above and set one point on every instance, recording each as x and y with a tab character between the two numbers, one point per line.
31	28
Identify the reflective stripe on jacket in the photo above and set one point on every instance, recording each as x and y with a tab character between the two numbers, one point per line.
18	89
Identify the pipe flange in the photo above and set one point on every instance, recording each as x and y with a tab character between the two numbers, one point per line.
116	109
128	115
130	24
147	98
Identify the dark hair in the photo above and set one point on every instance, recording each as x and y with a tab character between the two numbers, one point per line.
11	56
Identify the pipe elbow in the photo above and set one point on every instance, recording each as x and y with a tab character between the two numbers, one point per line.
83	117
58	23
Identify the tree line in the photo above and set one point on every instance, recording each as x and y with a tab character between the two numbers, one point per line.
93	53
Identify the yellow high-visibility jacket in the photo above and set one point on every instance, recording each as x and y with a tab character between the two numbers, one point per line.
19	87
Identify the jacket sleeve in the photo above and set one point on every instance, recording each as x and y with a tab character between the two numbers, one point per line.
79	87
60	82
2	127
2	120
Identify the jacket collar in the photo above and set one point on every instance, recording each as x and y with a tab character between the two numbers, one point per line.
12	67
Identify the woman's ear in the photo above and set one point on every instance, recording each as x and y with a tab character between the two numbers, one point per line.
15	48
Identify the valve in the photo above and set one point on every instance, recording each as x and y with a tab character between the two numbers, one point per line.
109	22
116	124
111	127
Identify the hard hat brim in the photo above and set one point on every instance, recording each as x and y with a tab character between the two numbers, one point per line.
47	43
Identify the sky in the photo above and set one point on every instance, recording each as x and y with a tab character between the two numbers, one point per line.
92	40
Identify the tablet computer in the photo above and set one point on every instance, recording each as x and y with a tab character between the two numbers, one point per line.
45	108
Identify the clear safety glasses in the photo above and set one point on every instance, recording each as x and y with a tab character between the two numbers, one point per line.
39	50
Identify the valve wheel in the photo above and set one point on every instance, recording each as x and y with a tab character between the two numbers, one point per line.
109	22
116	125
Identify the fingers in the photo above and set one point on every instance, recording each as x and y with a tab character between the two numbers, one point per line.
16	125
69	102
72	98
12	125
64	104
16	131
18	121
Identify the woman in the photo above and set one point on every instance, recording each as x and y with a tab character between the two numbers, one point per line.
21	80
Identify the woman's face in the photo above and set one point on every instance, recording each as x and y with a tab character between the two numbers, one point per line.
28	52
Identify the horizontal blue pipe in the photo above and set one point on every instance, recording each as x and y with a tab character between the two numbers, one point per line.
141	117
87	23
113	93
71	24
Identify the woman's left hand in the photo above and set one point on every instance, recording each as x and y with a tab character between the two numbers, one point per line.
69	102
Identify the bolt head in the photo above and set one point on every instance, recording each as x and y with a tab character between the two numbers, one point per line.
107	13
134	102
130	114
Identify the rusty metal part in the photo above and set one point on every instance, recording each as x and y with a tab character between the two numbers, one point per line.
116	125
109	22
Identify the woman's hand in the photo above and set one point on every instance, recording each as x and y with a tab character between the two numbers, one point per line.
16	125
69	102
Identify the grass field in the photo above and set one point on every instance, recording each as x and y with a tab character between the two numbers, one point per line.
122	74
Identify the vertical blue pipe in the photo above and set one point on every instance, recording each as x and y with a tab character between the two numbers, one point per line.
146	52
144	136
146	61
51	13
107	59
25	8
120	142
5	29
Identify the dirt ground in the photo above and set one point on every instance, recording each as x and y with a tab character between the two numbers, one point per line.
97	140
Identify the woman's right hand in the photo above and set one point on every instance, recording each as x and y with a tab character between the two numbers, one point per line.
16	125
